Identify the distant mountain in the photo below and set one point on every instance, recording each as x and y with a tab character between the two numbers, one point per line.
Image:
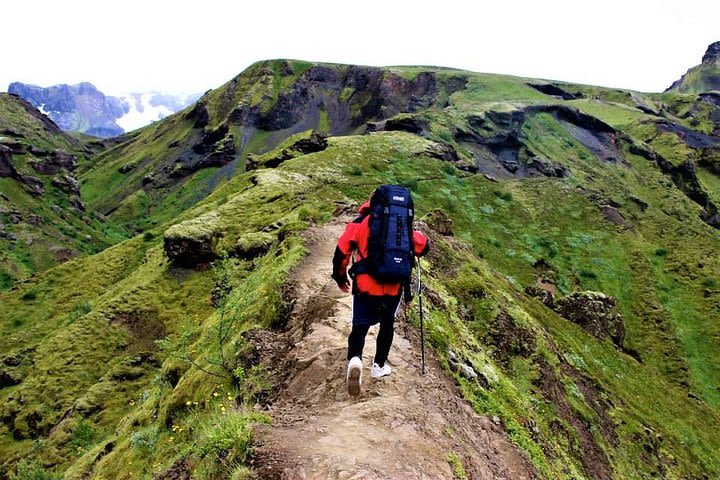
701	78
84	108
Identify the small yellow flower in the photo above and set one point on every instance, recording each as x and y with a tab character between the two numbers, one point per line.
188	403
215	394
230	397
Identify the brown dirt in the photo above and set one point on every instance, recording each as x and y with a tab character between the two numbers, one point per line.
400	427
594	461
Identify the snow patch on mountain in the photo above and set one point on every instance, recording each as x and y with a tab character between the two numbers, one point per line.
141	109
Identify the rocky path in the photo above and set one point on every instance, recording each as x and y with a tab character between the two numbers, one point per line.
400	427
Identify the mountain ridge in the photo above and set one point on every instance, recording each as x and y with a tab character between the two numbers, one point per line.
571	277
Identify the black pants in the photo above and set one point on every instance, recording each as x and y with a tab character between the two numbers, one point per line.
367	311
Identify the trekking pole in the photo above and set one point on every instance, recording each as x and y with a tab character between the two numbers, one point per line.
422	331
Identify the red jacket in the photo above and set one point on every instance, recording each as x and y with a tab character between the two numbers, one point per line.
355	240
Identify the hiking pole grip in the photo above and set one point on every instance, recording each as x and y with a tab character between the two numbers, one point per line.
422	330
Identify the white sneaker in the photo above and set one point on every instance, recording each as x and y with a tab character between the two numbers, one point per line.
354	376
376	371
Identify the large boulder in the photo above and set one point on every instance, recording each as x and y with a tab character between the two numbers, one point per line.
595	312
193	242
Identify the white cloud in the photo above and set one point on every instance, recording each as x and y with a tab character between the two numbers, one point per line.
140	111
194	46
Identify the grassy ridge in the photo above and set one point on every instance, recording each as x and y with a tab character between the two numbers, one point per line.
159	393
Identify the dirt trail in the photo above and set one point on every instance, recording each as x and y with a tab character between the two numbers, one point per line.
400	427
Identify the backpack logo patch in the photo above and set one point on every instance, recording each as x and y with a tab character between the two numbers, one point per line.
398	199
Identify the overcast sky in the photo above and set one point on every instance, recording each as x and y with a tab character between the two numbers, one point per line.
184	47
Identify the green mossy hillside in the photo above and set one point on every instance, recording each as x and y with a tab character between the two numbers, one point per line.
126	364
43	221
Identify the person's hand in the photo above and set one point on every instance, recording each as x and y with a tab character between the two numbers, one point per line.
343	283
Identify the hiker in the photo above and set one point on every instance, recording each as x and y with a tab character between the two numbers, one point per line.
384	245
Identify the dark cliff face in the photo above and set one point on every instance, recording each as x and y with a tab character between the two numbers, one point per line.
704	77
712	54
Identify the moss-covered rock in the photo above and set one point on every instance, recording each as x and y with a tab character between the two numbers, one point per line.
303	143
439	221
254	244
192	242
595	312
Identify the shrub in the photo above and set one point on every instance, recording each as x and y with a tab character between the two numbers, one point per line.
6	281
507	196
587	274
449	169
228	435
147	236
661	252
29	295
83	436
457	466
144	440
33	471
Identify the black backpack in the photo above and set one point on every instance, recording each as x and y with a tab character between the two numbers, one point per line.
391	253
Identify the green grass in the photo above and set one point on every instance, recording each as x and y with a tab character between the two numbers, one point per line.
128	343
457	466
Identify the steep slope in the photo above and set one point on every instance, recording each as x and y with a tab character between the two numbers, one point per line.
701	78
571	292
43	221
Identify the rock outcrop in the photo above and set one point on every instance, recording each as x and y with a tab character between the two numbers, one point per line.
7	169
595	312
309	142
440	222
254	244
54	162
498	144
191	243
704	77
712	54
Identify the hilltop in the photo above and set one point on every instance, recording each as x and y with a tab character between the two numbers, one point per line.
703	78
571	293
